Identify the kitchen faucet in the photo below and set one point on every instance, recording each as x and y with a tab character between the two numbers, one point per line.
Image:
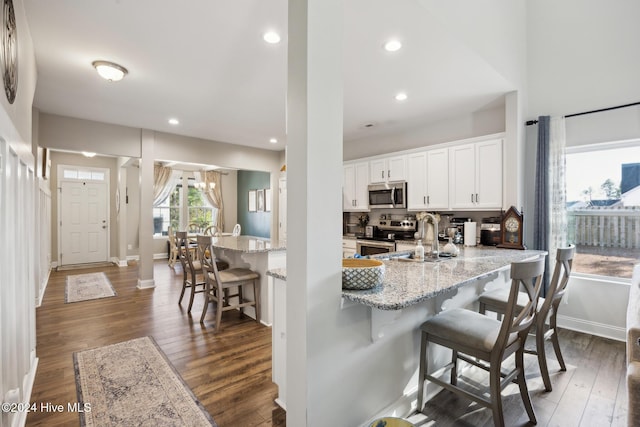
435	251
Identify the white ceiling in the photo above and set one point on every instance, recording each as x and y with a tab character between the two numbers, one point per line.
205	63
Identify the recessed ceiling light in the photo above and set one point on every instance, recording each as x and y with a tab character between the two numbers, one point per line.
271	37
273	141
392	45
174	122
401	96
110	71
88	154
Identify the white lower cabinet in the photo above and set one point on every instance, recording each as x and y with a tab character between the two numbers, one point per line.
348	248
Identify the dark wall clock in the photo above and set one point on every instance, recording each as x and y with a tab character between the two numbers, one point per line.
511	230
9	51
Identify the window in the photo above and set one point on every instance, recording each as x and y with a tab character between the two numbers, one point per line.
195	209
168	213
603	208
200	210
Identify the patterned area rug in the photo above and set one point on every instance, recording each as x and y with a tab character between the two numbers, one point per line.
132	383
82	287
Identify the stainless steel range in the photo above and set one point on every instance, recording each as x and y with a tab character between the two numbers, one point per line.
385	236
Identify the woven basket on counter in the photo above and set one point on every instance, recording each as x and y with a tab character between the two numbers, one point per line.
359	273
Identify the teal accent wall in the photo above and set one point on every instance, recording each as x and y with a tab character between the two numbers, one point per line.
253	223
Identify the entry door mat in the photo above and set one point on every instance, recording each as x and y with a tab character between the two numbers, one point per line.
82	287
132	383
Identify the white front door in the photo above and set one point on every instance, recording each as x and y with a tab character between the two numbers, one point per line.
84	227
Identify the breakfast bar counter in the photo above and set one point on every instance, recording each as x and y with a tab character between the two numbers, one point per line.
407	282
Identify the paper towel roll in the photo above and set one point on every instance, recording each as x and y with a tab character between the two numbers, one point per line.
469	233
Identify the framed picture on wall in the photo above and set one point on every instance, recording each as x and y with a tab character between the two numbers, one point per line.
267	200
260	200
252	200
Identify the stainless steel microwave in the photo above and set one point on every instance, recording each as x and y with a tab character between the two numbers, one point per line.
391	195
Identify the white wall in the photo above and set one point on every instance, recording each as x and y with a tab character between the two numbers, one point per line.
582	55
20	261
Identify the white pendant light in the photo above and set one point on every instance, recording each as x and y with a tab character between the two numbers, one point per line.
109	70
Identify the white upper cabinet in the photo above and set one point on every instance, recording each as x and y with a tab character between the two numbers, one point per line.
428	180
388	169
417	181
355	196
475	179
438	179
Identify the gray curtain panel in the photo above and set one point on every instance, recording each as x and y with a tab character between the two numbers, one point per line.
541	220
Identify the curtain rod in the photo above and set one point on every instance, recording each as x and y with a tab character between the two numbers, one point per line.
533	122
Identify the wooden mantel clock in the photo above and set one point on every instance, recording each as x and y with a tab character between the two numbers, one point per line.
511	230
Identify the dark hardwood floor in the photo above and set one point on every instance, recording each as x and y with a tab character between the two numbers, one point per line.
230	371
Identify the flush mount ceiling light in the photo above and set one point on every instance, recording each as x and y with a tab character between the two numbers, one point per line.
392	45
174	122
109	70
401	96
271	37
273	141
88	154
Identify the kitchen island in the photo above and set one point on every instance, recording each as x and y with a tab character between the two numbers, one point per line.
258	254
379	335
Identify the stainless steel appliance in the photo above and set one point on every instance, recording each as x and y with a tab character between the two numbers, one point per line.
490	231
370	230
391	195
385	235
458	223
373	247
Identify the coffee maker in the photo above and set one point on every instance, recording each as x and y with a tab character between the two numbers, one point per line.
457	223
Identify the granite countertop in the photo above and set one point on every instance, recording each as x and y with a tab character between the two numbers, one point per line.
278	273
407	283
248	244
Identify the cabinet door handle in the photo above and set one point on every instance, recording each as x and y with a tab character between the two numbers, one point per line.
382	174
424	200
389	173
471	197
428	200
476	197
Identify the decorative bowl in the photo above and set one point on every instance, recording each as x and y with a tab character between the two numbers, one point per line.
361	273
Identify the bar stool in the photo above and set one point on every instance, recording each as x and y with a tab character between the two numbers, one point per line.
193	277
218	283
496	301
480	340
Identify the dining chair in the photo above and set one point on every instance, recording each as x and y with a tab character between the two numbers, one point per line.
211	230
193	275
486	343
173	247
496	301
193	228
236	230
218	285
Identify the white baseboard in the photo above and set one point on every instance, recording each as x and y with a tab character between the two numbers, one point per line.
20	419
43	289
588	327
146	284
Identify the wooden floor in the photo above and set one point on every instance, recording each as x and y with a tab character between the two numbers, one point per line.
230	371
591	393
